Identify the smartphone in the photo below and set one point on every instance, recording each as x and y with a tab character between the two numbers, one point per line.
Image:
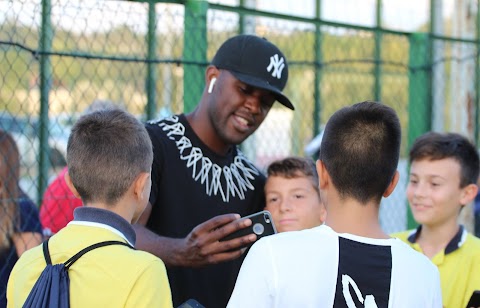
262	225
474	299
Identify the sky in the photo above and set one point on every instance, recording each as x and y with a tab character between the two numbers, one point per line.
98	15
402	15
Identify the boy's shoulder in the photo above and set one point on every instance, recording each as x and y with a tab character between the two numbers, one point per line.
143	256
472	245
413	259
72	239
298	240
474	240
29	258
467	244
128	262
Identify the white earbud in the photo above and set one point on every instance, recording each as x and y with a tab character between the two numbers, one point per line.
212	83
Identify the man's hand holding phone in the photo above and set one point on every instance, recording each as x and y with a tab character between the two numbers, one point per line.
221	239
261	225
203	245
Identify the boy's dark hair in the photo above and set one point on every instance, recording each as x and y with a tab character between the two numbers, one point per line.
106	151
360	150
294	167
436	146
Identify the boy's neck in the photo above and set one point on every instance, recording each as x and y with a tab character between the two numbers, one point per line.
118	209
350	216
435	238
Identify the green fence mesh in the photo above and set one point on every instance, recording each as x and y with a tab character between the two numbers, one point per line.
58	56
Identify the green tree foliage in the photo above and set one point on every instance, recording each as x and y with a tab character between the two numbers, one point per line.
109	65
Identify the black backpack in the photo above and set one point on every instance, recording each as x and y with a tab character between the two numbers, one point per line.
51	290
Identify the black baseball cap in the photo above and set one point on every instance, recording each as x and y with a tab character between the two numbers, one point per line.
255	61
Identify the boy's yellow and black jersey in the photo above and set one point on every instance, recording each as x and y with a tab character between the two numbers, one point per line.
458	264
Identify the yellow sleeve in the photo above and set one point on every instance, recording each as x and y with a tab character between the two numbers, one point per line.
152	288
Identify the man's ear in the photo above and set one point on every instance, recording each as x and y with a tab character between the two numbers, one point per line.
68	180
392	185
468	194
323	176
139	185
210	73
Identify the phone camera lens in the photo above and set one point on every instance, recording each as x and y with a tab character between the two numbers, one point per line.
258	228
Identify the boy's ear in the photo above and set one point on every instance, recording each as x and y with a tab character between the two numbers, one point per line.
392	185
323	176
68	180
468	194
139	185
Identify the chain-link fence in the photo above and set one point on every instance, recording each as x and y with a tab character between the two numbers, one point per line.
57	57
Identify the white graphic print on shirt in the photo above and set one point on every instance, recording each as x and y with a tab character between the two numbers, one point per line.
230	181
368	302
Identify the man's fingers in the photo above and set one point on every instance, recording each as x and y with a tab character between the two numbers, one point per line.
218	251
204	244
235	244
216	222
231	227
220	226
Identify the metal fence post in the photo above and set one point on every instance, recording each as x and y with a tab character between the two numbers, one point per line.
477	81
194	50
419	103
318	71
46	36
151	81
377	90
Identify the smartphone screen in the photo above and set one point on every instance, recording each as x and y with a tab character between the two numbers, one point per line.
262	225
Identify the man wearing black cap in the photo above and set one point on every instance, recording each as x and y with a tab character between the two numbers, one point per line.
201	181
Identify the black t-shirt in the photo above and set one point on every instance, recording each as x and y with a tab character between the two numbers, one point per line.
191	184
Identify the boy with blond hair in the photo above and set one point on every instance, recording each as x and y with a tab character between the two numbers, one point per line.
292	195
109	157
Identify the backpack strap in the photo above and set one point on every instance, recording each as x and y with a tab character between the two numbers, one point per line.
46	253
77	256
92	247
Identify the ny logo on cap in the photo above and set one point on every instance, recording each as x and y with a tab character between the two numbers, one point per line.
276	65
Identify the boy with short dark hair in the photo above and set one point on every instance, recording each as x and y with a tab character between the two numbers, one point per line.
109	157
292	195
443	175
349	261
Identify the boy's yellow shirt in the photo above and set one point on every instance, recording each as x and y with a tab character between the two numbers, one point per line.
458	264
111	276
